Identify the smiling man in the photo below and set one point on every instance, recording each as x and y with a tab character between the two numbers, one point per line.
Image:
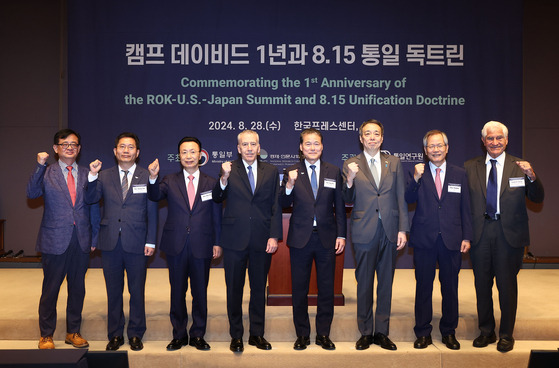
250	231
499	185
317	231
441	231
374	183
126	237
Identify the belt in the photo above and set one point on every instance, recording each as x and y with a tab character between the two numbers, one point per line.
497	217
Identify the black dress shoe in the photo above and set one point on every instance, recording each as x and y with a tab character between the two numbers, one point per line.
176	344
364	342
451	342
482	341
260	342
136	343
384	341
199	343
422	342
236	345
301	343
505	344
325	342
115	343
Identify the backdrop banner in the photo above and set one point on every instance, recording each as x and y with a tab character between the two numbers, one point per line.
211	69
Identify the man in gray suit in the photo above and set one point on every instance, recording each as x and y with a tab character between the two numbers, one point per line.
374	183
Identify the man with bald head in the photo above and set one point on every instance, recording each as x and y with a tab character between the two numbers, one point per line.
499	184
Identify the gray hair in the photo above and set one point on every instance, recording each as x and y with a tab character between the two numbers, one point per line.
494	125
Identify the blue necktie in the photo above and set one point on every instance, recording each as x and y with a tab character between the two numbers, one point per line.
251	178
491	197
314	183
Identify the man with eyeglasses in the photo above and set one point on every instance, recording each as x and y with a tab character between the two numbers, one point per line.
317	231
67	234
374	183
441	231
190	240
499	185
126	237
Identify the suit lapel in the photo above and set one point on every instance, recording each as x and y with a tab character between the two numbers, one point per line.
507	173
136	179
115	178
244	176
384	168
322	176
181	182
481	169
430	183
305	177
364	167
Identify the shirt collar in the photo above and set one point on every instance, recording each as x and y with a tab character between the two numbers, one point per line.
500	159
369	157
196	174
308	164
434	168
131	170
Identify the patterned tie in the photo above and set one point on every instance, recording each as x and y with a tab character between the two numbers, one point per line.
374	171
124	184
71	185
438	184
251	178
491	197
190	190
314	182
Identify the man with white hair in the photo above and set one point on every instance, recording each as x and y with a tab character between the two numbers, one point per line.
499	184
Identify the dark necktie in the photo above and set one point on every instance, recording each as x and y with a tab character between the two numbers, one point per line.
491	197
71	185
251	178
314	182
124	184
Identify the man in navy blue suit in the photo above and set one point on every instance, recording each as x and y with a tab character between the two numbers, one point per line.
317	231
250	231
441	231
126	237
66	236
190	240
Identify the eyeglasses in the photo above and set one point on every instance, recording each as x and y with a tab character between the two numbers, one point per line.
65	145
191	153
433	146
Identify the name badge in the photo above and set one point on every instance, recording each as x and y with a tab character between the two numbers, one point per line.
206	196
454	188
139	188
517	182
330	183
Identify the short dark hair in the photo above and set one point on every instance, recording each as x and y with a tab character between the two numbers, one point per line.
128	135
371	121
310	131
65	133
189	139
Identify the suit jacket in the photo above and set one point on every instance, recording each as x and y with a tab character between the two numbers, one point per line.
514	218
250	218
448	216
59	215
201	225
368	199
328	207
134	217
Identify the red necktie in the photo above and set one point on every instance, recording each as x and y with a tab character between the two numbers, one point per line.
190	190
438	184
71	185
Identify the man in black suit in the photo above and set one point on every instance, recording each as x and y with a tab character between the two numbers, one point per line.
126	237
190	240
317	231
250	231
499	185
441	231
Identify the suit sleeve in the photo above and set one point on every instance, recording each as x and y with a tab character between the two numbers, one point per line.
466	213
403	224
341	218
412	189
285	200
276	226
219	195
95	221
158	190
347	193
152	208
534	190
94	191
217	213
35	187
